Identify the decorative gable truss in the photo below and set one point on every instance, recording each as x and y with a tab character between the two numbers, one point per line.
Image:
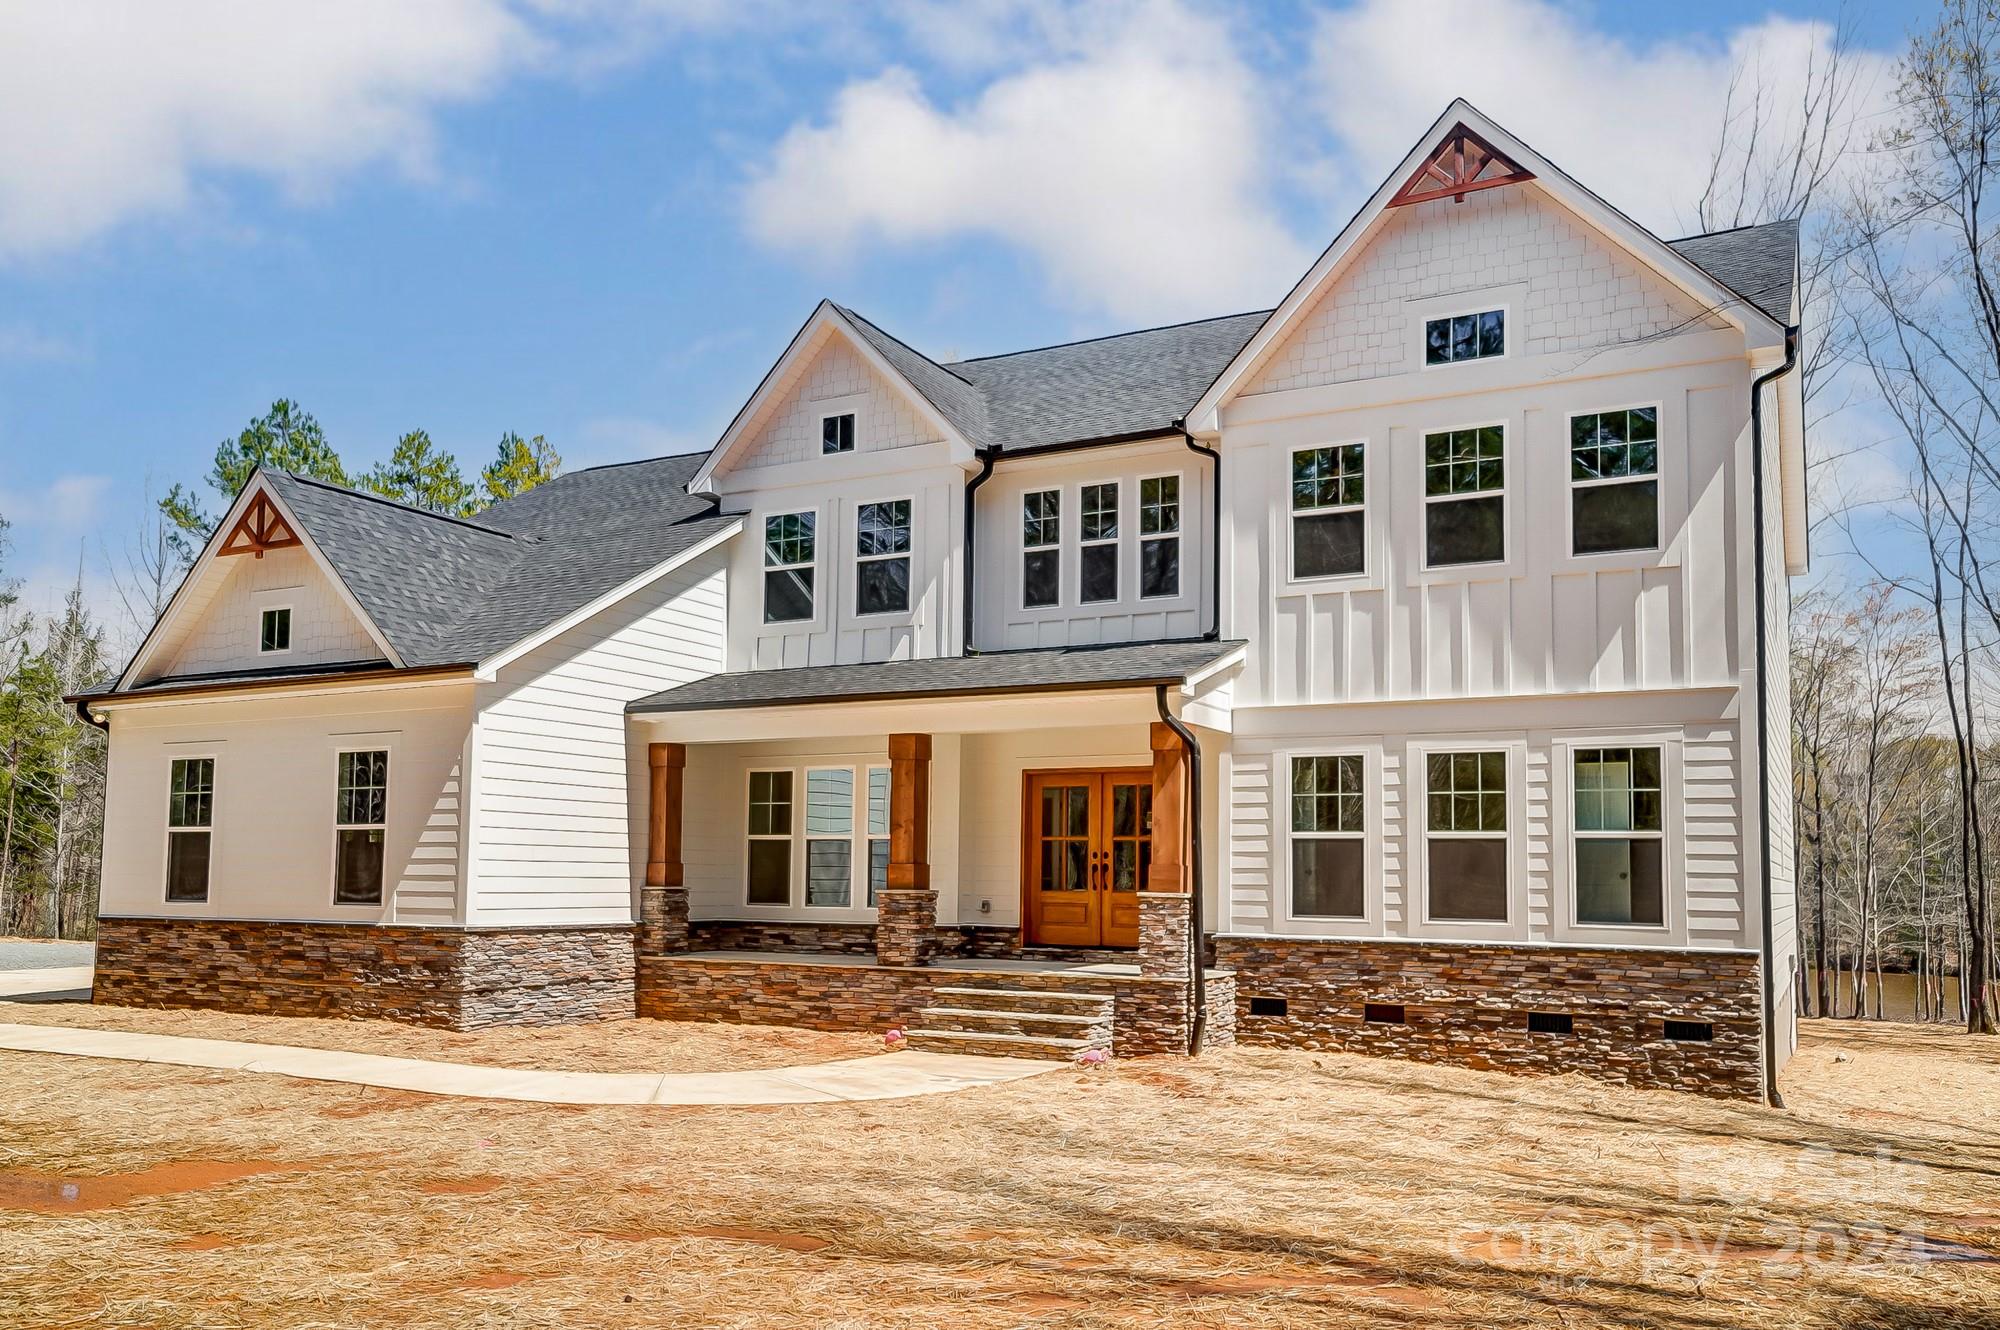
261	527
1462	163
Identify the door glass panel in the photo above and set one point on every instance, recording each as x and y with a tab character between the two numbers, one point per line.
1131	835
1065	832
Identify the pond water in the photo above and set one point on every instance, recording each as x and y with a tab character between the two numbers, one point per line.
1899	995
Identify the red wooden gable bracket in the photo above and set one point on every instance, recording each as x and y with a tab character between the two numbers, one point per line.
1464	162
260	528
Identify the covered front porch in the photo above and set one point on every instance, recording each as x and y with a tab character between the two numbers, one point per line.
949	852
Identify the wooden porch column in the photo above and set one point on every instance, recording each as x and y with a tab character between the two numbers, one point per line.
663	905
1164	904
906	912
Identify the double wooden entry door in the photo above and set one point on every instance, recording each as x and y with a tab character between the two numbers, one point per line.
1088	846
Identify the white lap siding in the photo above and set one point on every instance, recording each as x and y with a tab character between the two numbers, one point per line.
554	820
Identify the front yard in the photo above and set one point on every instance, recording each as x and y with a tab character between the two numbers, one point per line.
1251	1189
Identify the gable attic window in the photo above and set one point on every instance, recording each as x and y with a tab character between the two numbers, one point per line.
1159	536
1614	486
836	433
274	633
361	821
190	823
1041	549
1480	336
882	558
1328	515
788	567
1097	543
1465	503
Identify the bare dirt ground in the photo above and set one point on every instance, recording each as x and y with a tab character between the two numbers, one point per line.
1252	1189
634	1046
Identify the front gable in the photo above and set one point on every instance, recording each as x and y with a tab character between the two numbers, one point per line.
259	558
831	377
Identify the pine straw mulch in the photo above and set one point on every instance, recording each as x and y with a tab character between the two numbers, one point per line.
1251	1189
623	1046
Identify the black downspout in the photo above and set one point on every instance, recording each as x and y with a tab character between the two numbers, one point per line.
1214	632
986	457
1763	710
1197	981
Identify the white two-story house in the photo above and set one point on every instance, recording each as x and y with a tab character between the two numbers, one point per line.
1399	669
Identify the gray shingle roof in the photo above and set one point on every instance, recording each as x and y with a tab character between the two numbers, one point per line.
1127	665
1757	262
449	591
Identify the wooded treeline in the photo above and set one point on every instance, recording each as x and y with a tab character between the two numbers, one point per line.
52	761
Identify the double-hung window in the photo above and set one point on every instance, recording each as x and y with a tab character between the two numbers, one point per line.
1329	522
1327	837
190	823
1465	501
1465	337
882	558
274	631
878	832
1041	549
360	826
1614	478
830	836
836	433
1619	849
1159	536
1097	543
788	567
770	835
1466	844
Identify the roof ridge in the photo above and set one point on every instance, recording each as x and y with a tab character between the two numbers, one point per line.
1107	337
857	314
1732	230
396	503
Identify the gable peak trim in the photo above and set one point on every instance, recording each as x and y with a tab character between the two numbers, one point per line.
1461	164
261	527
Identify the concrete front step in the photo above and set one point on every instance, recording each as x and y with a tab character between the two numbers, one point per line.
1000	1045
991	1020
1051	1002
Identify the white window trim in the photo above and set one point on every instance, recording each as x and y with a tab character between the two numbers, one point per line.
795	869
1289	514
213	755
1659	487
1423	320
863	773
360	743
1116	542
1178	535
1021	535
1673	833
1418	828
291	622
1508	442
909	554
1369	921
852	408
817	619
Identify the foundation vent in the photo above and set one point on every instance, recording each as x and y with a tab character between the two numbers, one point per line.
1692	1032
1551	1022
1269	1006
1384	1013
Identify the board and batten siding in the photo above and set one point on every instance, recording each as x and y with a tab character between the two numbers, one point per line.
553	795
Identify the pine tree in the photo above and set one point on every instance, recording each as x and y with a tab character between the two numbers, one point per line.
420	474
521	465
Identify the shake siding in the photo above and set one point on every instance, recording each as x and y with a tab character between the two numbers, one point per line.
224	621
834	378
553	820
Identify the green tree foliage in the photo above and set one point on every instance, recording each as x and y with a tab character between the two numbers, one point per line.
285	438
521	465
422	475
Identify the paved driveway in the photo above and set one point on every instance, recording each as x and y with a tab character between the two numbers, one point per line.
44	955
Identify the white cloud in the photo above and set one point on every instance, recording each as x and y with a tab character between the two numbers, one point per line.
68	504
1634	121
119	110
1129	163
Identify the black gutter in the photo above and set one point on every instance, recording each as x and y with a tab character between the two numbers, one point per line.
1771	1094
83	714
987	456
1214	632
1197	980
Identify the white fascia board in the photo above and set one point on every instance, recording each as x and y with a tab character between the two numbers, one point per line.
267	692
825	315
489	669
1759	328
1194	681
202	561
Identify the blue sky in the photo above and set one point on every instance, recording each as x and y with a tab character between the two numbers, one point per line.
600	220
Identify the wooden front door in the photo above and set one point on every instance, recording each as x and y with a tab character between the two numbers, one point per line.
1089	844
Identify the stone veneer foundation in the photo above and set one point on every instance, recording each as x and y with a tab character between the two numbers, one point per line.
828	992
1467	1003
457	978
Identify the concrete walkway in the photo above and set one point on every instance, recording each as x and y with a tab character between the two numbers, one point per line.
887	1076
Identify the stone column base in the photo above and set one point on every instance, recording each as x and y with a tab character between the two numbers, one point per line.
663	920
1165	922
904	923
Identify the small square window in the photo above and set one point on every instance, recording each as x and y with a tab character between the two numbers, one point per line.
1465	337
836	433
274	634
